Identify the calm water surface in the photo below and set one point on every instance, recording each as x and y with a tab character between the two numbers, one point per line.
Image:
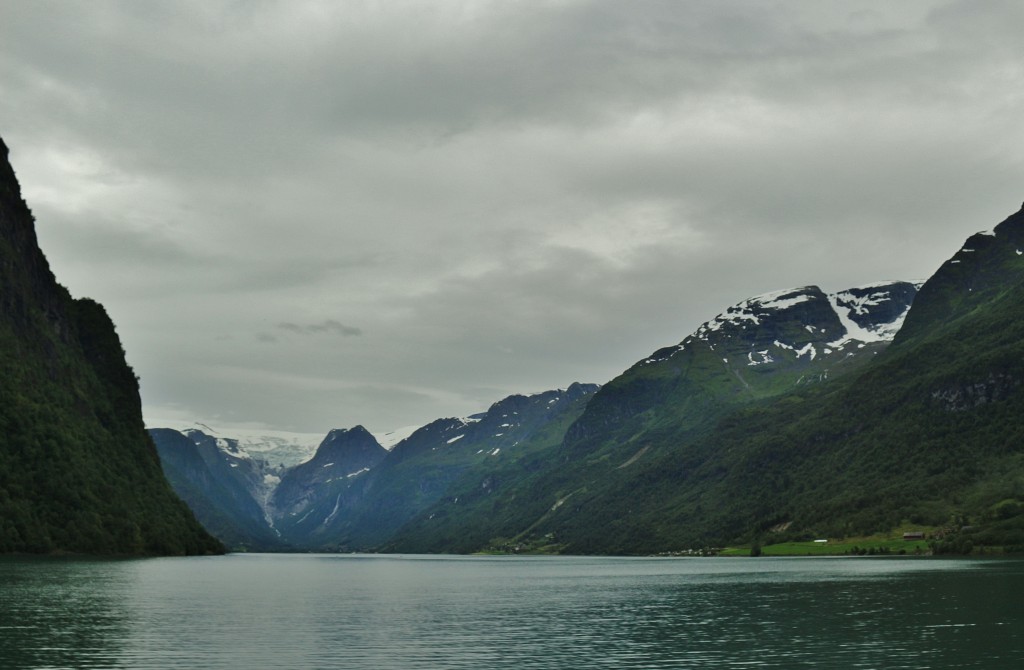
320	611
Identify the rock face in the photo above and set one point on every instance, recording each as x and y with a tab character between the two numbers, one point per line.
78	472
344	454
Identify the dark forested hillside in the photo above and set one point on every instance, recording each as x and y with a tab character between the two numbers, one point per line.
78	472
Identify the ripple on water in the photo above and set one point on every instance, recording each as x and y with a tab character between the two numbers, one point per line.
445	612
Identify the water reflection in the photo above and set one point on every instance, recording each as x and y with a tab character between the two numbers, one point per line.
62	613
415	612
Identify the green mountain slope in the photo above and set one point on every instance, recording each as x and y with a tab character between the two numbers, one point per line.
927	432
759	349
78	472
362	512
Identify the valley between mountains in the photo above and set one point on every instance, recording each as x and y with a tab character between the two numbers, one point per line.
790	416
793	416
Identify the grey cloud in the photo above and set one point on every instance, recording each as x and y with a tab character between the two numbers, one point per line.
509	196
329	326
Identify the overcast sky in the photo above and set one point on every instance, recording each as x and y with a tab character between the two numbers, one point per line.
309	215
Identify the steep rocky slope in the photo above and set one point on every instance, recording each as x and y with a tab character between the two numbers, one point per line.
222	487
78	472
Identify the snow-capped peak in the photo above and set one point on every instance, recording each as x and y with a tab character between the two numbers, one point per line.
806	322
751	311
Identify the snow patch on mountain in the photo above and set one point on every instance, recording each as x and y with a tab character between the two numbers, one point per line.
277	449
781	299
858	304
752	310
868	314
845	304
806	350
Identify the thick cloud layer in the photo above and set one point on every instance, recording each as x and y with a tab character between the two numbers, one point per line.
308	215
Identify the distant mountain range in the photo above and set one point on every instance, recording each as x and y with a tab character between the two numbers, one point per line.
352	493
794	415
751	428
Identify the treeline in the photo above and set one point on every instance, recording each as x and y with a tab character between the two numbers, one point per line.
78	472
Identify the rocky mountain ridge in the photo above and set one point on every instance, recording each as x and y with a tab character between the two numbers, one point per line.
802	322
352	488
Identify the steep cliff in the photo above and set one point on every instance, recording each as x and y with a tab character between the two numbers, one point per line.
78	473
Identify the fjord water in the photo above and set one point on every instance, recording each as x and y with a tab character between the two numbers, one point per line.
330	611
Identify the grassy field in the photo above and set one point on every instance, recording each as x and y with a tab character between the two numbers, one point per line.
891	546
